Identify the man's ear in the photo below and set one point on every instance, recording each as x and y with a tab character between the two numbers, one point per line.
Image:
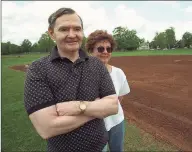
51	33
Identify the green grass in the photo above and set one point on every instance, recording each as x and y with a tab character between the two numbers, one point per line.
154	52
30	57
18	133
137	140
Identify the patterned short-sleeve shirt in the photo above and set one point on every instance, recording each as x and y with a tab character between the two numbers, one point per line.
53	79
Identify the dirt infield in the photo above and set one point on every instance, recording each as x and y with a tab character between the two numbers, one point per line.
160	101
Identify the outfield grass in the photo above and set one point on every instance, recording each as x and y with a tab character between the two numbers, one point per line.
18	133
30	57
154	52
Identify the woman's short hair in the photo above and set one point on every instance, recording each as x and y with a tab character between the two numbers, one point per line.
97	36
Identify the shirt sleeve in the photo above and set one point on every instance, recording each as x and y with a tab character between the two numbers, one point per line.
106	87
125	89
37	93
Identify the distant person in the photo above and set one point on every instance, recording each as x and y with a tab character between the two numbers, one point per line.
68	93
100	44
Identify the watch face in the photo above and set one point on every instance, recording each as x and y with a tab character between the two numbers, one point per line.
83	106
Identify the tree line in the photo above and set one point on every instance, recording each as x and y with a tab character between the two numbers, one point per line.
126	39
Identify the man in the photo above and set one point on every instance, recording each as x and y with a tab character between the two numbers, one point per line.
67	94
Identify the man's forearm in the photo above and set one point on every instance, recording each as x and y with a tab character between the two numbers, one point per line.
65	124
50	125
103	107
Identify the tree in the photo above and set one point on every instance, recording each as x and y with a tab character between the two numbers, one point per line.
5	48
153	45
179	44
126	39
45	43
170	37
118	34
26	46
187	39
8	48
35	47
159	40
15	49
83	43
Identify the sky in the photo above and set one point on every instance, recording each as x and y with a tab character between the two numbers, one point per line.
29	19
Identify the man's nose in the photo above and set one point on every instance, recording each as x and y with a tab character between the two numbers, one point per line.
71	33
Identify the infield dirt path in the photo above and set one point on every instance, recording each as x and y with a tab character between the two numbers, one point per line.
160	101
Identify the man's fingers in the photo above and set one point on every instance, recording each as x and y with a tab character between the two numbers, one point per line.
62	113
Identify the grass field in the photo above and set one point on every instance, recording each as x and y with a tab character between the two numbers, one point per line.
154	52
34	56
18	133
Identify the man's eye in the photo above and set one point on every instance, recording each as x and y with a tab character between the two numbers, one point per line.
77	29
63	29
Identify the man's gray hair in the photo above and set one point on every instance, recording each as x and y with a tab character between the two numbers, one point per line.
62	11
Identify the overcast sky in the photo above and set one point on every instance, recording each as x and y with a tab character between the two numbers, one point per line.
28	20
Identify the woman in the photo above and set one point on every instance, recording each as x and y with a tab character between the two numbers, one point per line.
101	44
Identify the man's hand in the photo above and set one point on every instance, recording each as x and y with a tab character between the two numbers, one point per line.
101	108
70	108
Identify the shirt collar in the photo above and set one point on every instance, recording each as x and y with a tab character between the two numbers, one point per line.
55	55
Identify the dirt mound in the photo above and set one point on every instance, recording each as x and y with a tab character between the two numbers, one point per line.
20	67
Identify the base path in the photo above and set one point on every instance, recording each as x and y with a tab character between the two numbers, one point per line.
160	101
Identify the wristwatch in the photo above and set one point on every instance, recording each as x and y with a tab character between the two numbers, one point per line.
82	106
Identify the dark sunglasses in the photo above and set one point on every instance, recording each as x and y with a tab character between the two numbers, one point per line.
101	49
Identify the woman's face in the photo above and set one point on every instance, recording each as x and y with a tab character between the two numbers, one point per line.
103	51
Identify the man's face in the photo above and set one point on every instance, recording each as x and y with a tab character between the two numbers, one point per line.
67	32
103	55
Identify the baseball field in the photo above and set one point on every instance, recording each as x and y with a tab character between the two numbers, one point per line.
157	110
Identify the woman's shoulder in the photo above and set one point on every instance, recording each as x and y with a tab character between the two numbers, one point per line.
117	70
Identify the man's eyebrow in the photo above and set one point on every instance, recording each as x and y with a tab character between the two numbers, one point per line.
75	26
63	27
